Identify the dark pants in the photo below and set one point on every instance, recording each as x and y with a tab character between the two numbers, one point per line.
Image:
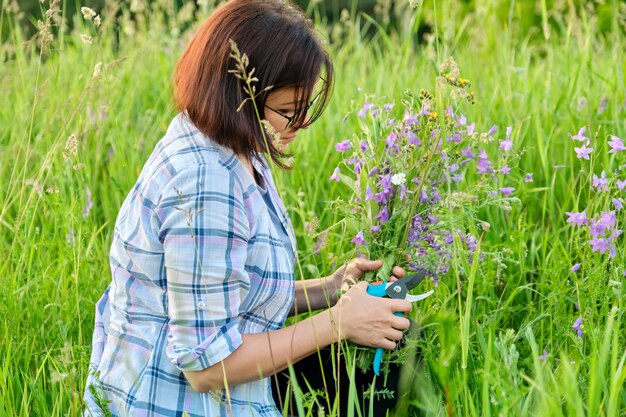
309	373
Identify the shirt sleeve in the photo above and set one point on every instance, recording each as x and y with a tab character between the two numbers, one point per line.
204	230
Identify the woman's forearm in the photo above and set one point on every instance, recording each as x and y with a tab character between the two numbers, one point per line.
265	354
313	294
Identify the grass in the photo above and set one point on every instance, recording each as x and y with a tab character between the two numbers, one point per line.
483	332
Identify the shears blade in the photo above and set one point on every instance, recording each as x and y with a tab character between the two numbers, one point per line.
414	298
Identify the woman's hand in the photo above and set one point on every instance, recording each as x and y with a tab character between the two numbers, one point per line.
370	321
349	274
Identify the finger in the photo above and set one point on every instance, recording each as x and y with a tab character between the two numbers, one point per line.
400	323
398	271
367	264
393	278
393	334
386	344
396	305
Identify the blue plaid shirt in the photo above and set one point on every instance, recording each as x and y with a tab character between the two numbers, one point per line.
198	259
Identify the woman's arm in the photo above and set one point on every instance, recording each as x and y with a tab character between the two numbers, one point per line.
359	317
314	294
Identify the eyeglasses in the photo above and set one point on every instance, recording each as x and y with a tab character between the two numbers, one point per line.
291	119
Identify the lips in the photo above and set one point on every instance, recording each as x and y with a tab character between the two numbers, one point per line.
288	140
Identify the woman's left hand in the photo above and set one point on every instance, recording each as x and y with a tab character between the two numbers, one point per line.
349	274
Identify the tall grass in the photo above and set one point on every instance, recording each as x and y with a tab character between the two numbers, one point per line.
485	330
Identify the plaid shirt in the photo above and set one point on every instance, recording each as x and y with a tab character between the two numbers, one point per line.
196	262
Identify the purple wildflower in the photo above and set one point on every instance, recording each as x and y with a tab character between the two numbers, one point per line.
358	240
391	139
544	356
410	119
372	172
529	177
343	146
509	130
580	136
89	204
578	326
617	203
600	182
575	268
413	139
335	175
383	215
364	146
621	184
375	229
493	130
467	152
507	191
583	152
369	194
470	129
601	245
388	106
577	219
506	145
366	107
385	183
616	144
505	170
484	164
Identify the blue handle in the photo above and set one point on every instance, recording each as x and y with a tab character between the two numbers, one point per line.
378	358
379	290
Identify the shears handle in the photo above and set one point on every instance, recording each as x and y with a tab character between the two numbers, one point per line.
378	357
378	290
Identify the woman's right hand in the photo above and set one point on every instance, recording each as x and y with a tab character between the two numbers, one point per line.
369	321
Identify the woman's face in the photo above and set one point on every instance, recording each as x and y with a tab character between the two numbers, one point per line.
279	107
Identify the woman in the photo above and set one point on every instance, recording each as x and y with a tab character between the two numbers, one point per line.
203	250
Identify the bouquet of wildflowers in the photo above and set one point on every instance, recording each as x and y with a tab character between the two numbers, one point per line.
419	171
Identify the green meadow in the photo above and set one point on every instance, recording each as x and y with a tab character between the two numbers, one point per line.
81	108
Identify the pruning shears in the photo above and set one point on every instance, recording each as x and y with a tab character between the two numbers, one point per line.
397	289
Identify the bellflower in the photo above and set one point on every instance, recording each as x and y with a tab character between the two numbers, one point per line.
577	219
528	177
600	182
335	175
507	191
343	146
358	240
366	107
580	136
575	268
583	152
506	145
616	144
578	326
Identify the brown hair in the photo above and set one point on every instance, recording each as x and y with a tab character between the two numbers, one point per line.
284	50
